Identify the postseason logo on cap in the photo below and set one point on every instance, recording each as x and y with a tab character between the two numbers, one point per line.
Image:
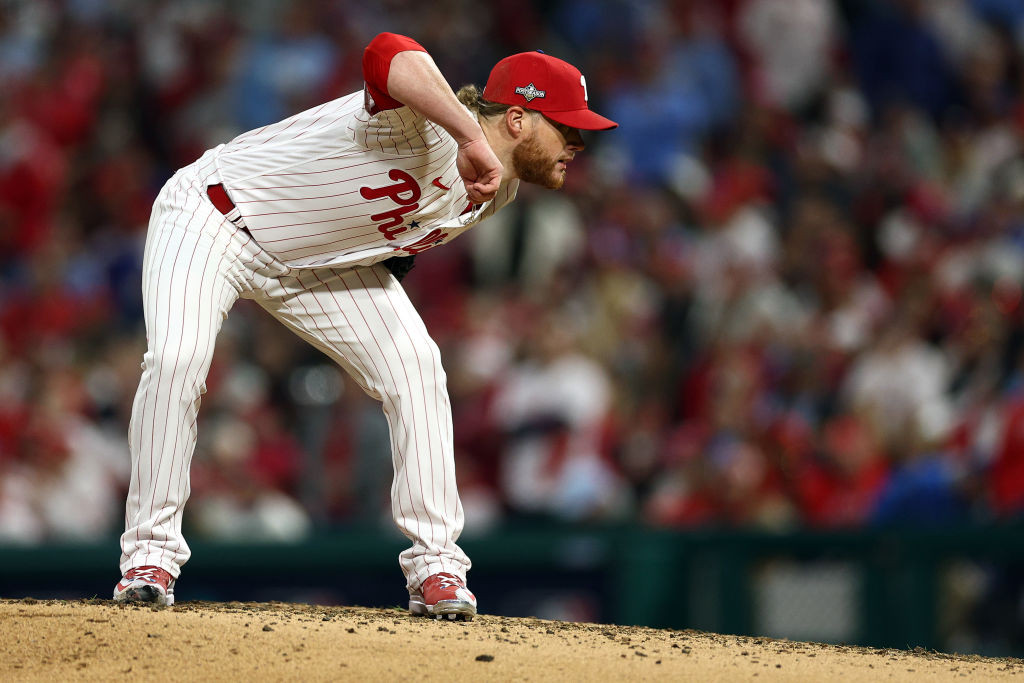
563	99
530	91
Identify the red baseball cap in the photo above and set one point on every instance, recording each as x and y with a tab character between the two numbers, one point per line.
534	80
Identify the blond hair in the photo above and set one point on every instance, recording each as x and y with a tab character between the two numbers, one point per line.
472	97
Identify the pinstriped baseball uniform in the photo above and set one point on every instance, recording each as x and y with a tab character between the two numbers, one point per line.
337	186
313	204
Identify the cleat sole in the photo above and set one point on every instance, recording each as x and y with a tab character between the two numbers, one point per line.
454	610
147	595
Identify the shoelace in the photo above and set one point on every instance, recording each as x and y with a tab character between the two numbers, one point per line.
451	583
152	575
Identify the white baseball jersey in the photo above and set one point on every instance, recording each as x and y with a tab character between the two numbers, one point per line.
324	196
339	186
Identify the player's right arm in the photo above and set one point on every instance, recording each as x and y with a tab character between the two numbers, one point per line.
398	71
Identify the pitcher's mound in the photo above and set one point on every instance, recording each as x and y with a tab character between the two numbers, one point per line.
98	639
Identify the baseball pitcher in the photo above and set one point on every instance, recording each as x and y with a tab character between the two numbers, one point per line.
317	218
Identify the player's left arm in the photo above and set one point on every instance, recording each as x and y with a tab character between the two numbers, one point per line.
398	71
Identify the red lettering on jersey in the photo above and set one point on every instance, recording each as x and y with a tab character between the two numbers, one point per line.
403	183
431	239
396	217
406	185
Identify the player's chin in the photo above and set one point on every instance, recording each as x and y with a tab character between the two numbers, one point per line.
556	179
551	176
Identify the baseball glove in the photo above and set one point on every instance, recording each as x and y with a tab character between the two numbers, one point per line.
400	265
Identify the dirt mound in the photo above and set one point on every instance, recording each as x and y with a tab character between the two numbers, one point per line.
97	639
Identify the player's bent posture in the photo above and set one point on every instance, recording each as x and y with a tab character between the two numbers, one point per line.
313	217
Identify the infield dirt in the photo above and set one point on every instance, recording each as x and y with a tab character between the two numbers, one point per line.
99	640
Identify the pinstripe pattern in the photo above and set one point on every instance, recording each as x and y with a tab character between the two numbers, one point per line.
196	265
296	184
325	194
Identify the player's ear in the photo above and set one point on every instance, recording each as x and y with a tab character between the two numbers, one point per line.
515	120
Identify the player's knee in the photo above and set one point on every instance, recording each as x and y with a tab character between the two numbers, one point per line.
420	368
179	363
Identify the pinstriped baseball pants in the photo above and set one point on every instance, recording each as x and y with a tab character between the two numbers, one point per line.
196	265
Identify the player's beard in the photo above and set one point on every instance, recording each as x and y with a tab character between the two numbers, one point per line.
533	166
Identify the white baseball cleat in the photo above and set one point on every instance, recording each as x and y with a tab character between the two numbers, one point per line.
151	585
443	596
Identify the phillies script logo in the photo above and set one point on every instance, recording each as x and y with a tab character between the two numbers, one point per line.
431	239
405	192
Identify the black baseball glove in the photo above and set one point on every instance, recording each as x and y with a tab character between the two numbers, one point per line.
400	265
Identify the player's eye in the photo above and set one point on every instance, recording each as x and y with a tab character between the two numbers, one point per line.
565	130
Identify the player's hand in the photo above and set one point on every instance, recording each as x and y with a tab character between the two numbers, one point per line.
480	170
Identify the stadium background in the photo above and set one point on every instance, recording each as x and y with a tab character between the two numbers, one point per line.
757	369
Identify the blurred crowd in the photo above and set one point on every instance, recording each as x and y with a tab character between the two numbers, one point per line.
785	293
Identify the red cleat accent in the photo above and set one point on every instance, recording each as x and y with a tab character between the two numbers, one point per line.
443	595
146	584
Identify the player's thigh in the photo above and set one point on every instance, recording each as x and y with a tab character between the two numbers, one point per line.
186	296
363	319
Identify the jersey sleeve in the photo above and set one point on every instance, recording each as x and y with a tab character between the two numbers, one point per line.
377	66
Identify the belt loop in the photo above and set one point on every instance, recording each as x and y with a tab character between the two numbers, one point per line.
235	216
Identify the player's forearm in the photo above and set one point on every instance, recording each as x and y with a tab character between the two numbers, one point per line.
416	82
